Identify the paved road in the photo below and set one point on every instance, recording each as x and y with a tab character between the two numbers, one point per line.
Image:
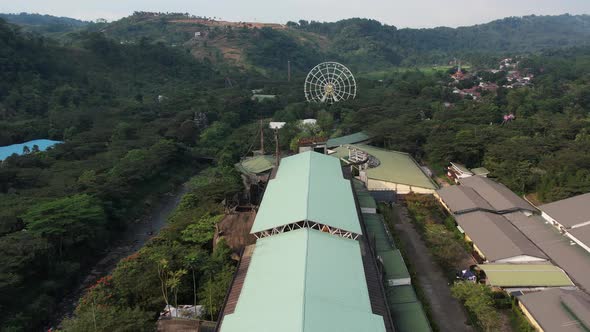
448	313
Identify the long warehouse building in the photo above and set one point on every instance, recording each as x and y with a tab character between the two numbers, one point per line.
307	271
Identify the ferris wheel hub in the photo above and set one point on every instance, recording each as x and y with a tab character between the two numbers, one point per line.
329	82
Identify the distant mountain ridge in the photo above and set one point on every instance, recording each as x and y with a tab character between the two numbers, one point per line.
38	19
364	44
44	24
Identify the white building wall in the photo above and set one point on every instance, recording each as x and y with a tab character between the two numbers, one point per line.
520	259
401	189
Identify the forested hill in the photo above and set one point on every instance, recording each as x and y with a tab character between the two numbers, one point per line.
44	23
357	37
127	116
362	44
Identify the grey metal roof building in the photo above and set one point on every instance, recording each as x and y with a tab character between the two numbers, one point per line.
573	259
497	240
571	212
571	216
557	310
581	235
501	198
462	199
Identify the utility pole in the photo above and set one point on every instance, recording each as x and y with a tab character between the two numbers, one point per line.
289	70
261	138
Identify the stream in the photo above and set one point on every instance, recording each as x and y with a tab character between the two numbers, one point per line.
130	241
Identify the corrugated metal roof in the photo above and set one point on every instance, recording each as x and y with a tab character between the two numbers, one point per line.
582	234
304	281
569	212
395	167
480	171
308	186
348	139
410	317
573	259
559	310
256	164
407	312
462	199
525	275
366	200
462	168
496	237
496	194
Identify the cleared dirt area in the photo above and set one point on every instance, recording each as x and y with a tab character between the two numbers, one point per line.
214	23
235	229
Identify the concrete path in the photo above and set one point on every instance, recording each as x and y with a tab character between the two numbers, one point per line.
448	314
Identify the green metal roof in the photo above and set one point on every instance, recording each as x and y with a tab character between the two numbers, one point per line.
406	311
480	171
393	262
394	265
308	186
366	200
409	317
341	152
525	275
359	186
348	139
400	294
395	167
256	164
376	232
304	281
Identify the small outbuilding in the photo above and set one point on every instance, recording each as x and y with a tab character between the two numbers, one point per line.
521	276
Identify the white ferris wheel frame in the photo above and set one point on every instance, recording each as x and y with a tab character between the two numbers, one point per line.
329	82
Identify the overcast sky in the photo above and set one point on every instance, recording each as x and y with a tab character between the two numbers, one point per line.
401	13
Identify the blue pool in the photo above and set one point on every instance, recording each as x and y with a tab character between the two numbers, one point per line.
6	151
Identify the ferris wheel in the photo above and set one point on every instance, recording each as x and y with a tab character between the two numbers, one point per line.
329	82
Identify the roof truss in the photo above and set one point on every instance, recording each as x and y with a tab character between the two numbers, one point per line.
307	224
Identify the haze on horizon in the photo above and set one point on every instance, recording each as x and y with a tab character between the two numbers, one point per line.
413	14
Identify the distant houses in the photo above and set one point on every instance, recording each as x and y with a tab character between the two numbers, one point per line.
513	77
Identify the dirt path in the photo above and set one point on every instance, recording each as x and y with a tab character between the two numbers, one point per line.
448	313
441	182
